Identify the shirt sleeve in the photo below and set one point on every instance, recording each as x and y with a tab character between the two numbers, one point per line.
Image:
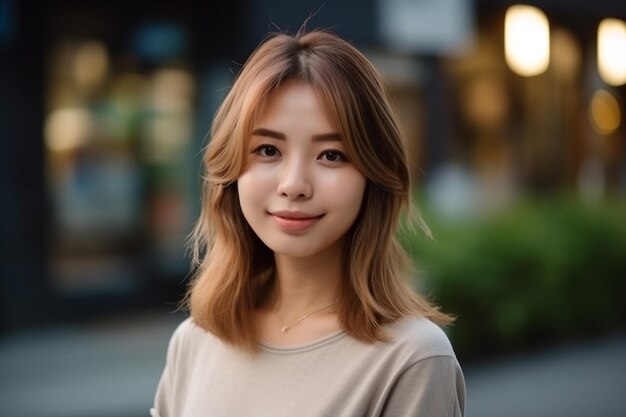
164	396
432	387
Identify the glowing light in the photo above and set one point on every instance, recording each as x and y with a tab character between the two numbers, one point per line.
167	133
612	51
526	40
172	89
565	54
67	129
91	65
604	112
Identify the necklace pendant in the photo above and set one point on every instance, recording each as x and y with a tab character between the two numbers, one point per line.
289	326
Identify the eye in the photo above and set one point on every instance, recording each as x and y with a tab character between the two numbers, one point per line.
333	156
267	151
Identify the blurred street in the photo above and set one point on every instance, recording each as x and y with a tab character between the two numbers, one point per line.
106	369
111	369
580	380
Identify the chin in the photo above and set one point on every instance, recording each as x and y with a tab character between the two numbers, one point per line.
305	246
293	251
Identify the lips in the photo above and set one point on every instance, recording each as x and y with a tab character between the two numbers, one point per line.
293	221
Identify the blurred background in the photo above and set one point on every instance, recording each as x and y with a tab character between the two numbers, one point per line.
514	119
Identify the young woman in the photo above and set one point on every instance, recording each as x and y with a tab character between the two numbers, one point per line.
301	305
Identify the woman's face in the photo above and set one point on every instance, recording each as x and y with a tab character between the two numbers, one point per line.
299	191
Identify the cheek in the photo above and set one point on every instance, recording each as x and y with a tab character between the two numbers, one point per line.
253	184
356	194
346	193
248	197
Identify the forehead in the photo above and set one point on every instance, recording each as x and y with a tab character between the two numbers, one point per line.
294	104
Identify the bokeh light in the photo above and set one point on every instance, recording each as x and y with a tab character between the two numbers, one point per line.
67	129
604	112
526	40
612	51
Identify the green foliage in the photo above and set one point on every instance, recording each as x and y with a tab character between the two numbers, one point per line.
543	271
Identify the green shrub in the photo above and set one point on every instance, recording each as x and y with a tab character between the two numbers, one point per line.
541	272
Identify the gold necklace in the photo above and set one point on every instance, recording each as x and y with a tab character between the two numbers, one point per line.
286	327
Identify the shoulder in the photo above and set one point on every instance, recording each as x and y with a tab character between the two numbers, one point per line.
187	337
430	381
420	338
183	331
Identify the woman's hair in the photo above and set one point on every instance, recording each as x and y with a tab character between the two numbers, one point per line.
234	269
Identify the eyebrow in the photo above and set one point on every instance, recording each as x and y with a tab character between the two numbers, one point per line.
324	137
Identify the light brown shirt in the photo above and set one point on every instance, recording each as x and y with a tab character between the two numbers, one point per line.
415	374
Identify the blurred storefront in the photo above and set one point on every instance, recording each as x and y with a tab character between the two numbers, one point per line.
108	105
101	159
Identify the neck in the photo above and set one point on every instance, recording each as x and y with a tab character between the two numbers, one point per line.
305	284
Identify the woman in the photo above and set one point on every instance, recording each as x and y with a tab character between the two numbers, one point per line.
300	305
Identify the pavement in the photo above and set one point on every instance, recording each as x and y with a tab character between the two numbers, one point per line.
585	379
111	369
100	369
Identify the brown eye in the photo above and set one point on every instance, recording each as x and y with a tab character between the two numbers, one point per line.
268	151
333	156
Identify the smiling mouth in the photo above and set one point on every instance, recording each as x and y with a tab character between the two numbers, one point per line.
295	222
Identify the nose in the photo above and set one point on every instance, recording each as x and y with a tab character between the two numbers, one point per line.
294	182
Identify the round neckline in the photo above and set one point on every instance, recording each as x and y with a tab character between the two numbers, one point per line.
302	347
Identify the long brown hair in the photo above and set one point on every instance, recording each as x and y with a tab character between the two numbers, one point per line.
234	269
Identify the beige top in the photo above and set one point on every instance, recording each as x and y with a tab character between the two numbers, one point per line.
415	374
